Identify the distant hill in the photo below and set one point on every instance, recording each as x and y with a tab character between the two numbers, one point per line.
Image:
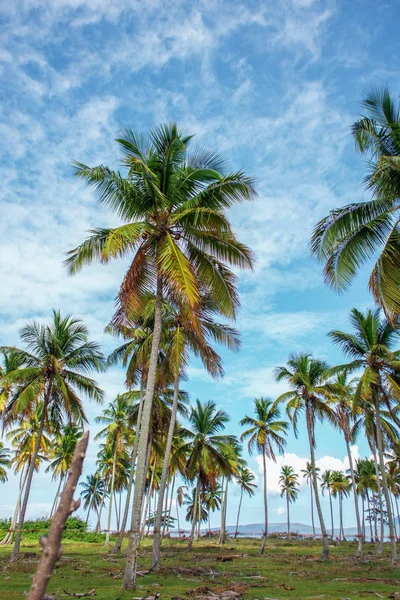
256	529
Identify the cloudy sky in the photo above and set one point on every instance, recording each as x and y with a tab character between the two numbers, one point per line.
273	85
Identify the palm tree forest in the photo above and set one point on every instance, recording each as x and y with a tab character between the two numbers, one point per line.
168	465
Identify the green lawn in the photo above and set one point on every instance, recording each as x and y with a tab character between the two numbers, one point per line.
285	571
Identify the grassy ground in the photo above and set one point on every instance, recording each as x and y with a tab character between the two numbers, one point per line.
286	570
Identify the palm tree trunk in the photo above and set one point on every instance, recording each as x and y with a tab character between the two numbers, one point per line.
107	542
222	508
98	525
116	511
357	509
166	527
134	537
265	504
196	499
222	537
118	543
177	518
397	510
8	538
363	516
325	544
288	515
394	520
148	505
341	535
385	483
331	507
238	515
379	549
370	519
53	508
17	543
156	557
199	506
312	509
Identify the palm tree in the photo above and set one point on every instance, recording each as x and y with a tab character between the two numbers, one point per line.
172	201
208	451
354	234
326	484
23	437
11	362
265	431
55	364
117	418
245	479
196	511
308	476
193	331
63	452
180	496
289	484
345	411
309	394
5	462
211	500
92	493
370	348
340	487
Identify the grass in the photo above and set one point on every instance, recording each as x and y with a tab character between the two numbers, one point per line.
286	570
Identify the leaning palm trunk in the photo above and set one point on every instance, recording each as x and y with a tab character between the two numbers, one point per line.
288	515
265	504
107	542
166	524
17	543
8	538
53	508
118	543
156	559
331	508
196	500
357	509
98	525
177	518
325	544
134	537
238	515
384	482
147	507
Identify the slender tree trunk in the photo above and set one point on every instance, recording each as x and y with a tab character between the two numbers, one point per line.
156	557
107	542
397	510
356	507
148	504
222	536
238	515
363	516
312	509
17	543
98	525
288	515
331	507
55	499
325	544
177	518
222	509
118	543
265	503
370	520
384	482
8	538
394	520
199	505
134	537
166	529
341	517
196	499
379	549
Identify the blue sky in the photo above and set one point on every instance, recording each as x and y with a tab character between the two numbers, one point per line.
274	86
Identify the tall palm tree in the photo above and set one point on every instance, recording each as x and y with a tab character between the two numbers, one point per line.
117	418
92	493
354	234
326	485
180	496
340	487
208	451
265	431
308	476
345	411
370	348
11	362
289	484
5	462
245	479
188	331
63	452
172	200
55	363
23	434
310	394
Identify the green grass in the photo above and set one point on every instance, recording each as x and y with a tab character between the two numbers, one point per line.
291	570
